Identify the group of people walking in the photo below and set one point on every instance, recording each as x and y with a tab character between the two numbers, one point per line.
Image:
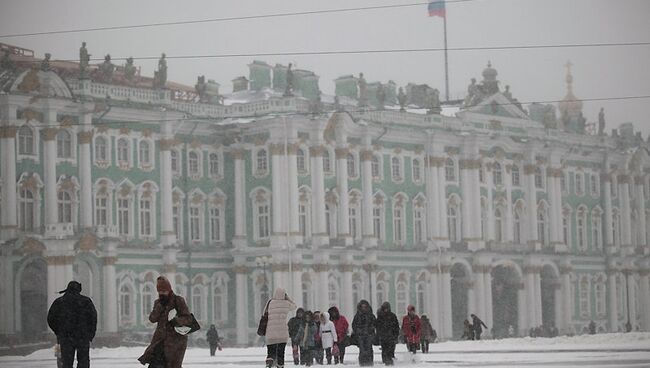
473	331
322	337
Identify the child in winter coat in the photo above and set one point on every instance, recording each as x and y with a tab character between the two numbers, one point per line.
341	325
327	335
428	334
412	329
306	338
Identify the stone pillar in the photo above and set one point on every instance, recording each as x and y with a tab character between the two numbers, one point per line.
296	275
322	294
292	191
109	304
531	297
241	305
631	299
446	327
626	212
369	239
531	204
9	223
347	304
612	294
479	289
239	238
279	199
7	287
319	231
555	212
538	296
49	175
489	208
85	137
606	192
640	206
342	186
489	313
567	312
522	310
644	291
471	213
434	301
509	235
168	235
433	199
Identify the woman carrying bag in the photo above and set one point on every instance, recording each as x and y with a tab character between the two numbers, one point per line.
274	317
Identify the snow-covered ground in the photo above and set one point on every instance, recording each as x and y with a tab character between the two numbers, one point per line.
606	350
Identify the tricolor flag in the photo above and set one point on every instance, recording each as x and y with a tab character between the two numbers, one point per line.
437	8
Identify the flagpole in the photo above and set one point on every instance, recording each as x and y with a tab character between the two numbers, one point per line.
446	59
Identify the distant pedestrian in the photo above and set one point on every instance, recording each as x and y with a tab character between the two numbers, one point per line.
73	319
293	325
213	339
318	349
477	324
592	327
363	332
306	337
328	336
388	332
277	332
428	334
468	331
341	325
412	328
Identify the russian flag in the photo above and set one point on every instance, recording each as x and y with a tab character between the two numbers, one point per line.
437	9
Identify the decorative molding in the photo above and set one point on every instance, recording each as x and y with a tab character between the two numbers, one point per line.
366	155
321	267
85	137
8	131
341	153
276	149
469	164
87	242
529	169
317	151
109	261
623	179
240	269
59	260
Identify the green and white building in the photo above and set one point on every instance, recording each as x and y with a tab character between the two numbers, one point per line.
509	213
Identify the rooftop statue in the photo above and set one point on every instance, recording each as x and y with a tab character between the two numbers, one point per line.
474	94
601	122
160	76
381	96
129	70
363	93
433	99
507	92
288	89
401	99
84	59
208	91
106	69
45	64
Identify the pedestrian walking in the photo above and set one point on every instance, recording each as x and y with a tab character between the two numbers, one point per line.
428	334
293	325
477	324
412	328
318	349
388	333
307	338
167	347
73	319
341	326
277	332
468	331
363	332
213	339
328	336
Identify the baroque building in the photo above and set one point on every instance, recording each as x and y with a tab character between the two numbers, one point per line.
513	214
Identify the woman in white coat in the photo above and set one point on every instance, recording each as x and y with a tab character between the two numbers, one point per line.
327	335
277	332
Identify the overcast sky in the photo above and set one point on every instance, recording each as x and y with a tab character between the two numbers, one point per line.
534	75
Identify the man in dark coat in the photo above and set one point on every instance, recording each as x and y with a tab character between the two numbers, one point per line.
73	319
167	347
477	323
363	331
293	325
213	339
388	332
428	334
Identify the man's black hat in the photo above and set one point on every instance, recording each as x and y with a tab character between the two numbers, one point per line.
73	286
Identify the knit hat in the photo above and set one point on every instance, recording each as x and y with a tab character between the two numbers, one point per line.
162	284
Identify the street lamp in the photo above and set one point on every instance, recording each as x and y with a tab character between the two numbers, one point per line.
263	262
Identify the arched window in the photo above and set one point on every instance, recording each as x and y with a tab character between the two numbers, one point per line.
63	144
401	297
262	208
600	295
215	170
453	222
566	226
149	295
146	217
101	149
581	228
497	174
65	206
374	167
126	312
26	207
419	216
593	185
198	298
382	292
583	295
417	170
261	163
330	220
25	140
356	292
498	225
542	224
303	220
580	190
193	163
450	170
307	292
378	218
123	151
352	167
327	162
563	182
216	224
196	223
101	209
396	168
219	303
616	228
420	297
399	225
124	218
300	161
539	178
355	219
145	153
518	225
176	168
516	178
597	229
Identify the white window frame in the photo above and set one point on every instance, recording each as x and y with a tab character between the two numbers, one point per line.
147	299
260	165
73	144
351	159
419	222
217	236
304	157
397	169
142	215
594	185
451	170
146	163
597	228
106	161
456	235
220	310
218	174
515	174
264	202
179	162
497	174
328	168
120	162
399	222
34	154
126	319
538	177
199	164
581	229
196	222
129	213
584	296
23	203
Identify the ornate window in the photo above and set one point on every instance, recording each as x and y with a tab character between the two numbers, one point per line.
600	295
196	223
198	300
307	291
498	225
420	296
356	291
453	220
27	211
581	228
399	224
416	166
220	301
419	220
616	227
583	296
216	224
518	223
176	163
355	215
102	209
352	166
63	144
25	141
375	167
579	180
333	292
497	174
124	216
566	226
516	178
481	173
401	295
177	220
64	206
215	165
301	161
261	162
563	182
378	217
327	162
542	224
146	216
382	289
450	170
539	178
193	163
597	228
262	216
593	185
396	168
145	154
123	155
148	296
330	219
126	301
101	149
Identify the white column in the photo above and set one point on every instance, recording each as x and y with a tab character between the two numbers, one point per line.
479	290
538	297
49	175
606	185
292	172
7	288
9	223
109	304
322	294
612	294
347	307
446	303
279	196
489	235
373	284
631	298
168	235
567	313
487	281
626	213
239	238
522	311
85	137
433	199
296	294
531	203
442	207
366	202
640	205
644	291
434	288
531	297
241	305
555	211
319	232
342	186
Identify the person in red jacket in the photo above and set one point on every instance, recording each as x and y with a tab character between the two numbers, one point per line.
411	328
341	326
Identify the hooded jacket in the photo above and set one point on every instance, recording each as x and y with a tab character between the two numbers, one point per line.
294	323
328	335
363	323
411	327
279	307
387	324
340	323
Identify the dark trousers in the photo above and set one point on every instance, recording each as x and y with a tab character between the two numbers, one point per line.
328	355
365	350
295	351
339	359
213	349
318	354
276	352
425	346
307	355
477	334
68	348
387	352
412	346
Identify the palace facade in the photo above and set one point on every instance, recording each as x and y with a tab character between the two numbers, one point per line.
515	214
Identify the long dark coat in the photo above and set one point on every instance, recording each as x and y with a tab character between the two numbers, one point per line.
387	324
173	344
73	316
